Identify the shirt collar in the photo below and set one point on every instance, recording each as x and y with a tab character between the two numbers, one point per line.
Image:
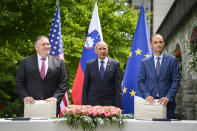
161	56
105	60
39	57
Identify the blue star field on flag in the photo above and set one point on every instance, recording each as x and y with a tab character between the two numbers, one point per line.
55	36
140	49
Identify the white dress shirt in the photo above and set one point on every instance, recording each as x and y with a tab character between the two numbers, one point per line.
104	64
160	60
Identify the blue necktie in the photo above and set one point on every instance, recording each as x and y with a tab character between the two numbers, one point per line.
102	70
158	65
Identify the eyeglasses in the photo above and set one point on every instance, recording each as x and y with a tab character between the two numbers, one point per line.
160	42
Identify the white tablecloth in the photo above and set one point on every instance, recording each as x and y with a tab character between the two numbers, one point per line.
130	125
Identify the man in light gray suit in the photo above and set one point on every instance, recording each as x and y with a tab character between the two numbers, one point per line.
102	80
41	76
159	76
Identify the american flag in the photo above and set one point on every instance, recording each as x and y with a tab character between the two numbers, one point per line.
55	38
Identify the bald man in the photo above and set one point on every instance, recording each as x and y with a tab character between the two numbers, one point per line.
102	81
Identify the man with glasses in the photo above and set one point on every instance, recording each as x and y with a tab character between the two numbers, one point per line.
159	76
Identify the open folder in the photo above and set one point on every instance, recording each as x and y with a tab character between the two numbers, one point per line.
40	108
144	110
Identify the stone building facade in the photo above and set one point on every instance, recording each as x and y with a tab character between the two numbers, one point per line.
187	96
177	36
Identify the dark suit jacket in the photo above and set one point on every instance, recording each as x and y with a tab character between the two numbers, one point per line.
104	92
167	82
30	83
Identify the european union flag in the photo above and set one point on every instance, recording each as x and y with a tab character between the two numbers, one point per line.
140	49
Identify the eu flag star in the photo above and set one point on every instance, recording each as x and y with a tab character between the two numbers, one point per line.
130	54
124	90
147	55
140	47
132	93
138	51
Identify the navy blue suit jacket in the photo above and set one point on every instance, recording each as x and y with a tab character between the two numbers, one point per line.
106	92
167	82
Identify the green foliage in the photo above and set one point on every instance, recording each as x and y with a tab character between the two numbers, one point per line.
192	59
22	20
8	98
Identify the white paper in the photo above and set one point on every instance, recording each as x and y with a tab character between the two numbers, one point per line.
144	110
40	109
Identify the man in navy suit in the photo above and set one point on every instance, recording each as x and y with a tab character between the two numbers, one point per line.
159	76
41	76
102	81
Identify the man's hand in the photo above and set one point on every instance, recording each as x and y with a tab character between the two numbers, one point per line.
29	100
150	99
163	101
51	99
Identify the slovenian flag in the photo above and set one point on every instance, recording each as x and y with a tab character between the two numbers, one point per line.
94	35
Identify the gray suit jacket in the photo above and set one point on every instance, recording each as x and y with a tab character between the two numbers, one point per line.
30	83
104	92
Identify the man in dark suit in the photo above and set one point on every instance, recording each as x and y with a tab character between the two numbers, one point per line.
102	81
41	76
159	76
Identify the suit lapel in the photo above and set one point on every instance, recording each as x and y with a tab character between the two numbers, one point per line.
49	66
163	63
96	66
35	62
107	67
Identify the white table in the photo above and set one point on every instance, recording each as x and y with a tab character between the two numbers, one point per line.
130	125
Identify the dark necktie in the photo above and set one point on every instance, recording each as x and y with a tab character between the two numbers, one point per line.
102	70
42	71
158	65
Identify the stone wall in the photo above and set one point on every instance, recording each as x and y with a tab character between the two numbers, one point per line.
186	98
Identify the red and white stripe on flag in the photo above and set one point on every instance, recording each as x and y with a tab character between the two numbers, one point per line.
55	38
